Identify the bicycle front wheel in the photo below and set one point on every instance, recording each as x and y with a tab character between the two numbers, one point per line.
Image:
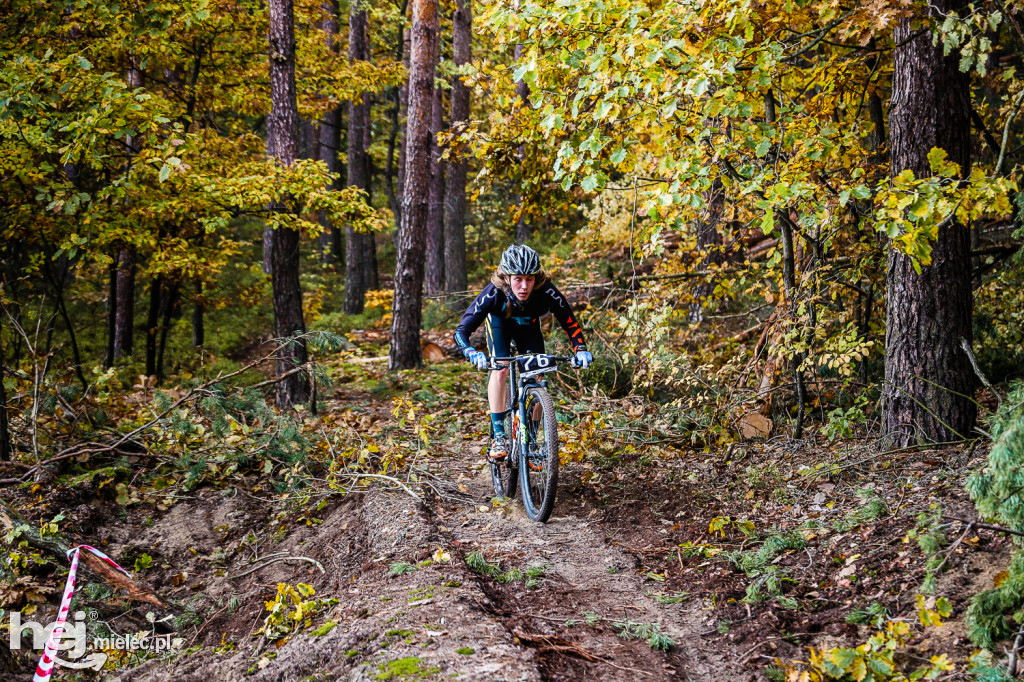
538	472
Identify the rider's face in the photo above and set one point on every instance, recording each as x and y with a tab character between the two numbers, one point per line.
522	286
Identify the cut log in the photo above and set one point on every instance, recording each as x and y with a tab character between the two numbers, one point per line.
432	352
754	425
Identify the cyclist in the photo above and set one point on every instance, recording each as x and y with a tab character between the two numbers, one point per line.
510	306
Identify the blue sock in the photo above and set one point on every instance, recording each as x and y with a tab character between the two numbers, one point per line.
498	423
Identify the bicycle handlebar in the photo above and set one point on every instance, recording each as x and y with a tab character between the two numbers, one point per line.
492	361
556	358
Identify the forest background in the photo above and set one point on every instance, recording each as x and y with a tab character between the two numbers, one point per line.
789	220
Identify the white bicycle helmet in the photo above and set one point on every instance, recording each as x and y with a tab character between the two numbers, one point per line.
520	260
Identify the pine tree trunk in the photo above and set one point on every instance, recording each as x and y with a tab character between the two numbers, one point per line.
198	316
167	305
124	327
356	256
330	243
153	325
434	277
928	379
523	230
455	190
5	434
407	312
282	141
268	248
124	311
390	171
403	115
371	279
108	352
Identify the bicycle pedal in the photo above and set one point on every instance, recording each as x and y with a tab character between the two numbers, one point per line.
536	466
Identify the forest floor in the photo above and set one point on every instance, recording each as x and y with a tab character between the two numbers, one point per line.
693	565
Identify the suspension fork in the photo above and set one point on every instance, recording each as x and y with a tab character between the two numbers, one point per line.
517	422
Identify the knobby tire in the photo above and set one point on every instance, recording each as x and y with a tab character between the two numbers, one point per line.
540	481
503	474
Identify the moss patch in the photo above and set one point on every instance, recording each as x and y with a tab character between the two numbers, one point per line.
405	668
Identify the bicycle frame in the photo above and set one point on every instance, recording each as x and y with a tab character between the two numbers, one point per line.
535	364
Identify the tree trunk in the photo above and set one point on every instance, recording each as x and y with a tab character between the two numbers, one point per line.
152	325
5	435
268	247
60	281
124	329
329	244
198	316
124	309
709	241
167	303
356	256
371	279
789	283
282	142
434	282
403	114
523	230
397	110
928	380
455	190
389	164
108	351
404	352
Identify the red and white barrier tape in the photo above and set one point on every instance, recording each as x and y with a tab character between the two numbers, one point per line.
45	666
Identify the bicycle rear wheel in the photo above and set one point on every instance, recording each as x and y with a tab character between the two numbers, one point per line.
539	471
504	475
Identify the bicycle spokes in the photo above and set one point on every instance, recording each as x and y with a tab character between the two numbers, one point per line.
539	475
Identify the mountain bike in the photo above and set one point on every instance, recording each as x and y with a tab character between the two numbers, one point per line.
532	431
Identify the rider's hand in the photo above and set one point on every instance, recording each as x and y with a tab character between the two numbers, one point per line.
476	358
582	359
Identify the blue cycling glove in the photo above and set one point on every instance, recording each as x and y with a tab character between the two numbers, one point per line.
476	358
582	359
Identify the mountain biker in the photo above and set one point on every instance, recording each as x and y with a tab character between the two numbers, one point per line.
510	306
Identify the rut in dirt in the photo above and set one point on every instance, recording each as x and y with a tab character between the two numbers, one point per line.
589	589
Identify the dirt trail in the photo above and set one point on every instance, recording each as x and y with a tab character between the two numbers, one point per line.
441	618
584	574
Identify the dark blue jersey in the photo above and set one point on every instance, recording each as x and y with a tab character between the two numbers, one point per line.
544	299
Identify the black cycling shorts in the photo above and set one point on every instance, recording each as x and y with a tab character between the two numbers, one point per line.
502	330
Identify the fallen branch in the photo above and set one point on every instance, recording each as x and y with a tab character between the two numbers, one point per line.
985	526
977	370
740	337
281	377
563	646
277	559
386	478
1011	666
96	448
754	648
